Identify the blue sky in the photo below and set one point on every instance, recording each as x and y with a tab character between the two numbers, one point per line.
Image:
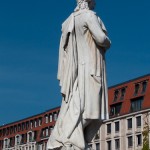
29	41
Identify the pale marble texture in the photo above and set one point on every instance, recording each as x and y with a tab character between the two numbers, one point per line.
82	78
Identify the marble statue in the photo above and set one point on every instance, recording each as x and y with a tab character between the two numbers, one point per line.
81	71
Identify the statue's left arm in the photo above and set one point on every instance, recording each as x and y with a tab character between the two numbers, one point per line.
96	30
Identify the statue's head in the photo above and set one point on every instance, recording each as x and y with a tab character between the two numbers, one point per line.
84	4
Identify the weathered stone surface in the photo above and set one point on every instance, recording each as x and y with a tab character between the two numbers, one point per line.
82	76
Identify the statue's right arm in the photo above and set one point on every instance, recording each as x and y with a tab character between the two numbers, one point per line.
96	30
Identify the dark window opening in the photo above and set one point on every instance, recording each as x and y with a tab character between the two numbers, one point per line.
0	133
117	144
130	123
23	139
137	87
138	121
115	109
19	127
108	145
109	128
30	137
123	91
4	132
144	86
116	94
136	104
27	125
97	146
7	131
130	141
117	126
139	140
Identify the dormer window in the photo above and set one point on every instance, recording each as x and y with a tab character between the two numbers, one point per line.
116	94
50	118
40	121
136	104
123	91
115	109
46	118
144	86
136	90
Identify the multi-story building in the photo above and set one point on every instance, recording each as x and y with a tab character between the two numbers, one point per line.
30	133
129	108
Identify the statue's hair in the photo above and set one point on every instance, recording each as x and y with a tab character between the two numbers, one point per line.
83	4
78	1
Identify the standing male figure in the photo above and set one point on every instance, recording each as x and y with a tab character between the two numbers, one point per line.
82	76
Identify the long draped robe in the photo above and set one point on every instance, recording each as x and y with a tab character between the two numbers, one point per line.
81	71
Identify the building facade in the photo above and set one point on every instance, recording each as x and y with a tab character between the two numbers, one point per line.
129	110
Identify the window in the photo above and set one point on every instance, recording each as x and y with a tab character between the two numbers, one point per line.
40	121
23	139
11	142
4	132
47	132
46	119
50	118
136	104
117	126
1	144
11	130
19	127
138	121
35	135
55	116
136	90
109	128
31	124
27	125
17	140
35	123
97	146
130	141
30	136
139	140
144	86
108	145
129	123
23	126
7	131
116	95
117	144
115	109
6	143
123	91
43	133
15	128
0	133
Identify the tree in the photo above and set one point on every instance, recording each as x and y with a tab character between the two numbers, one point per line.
146	133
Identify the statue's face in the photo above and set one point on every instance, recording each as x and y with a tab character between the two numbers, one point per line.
92	4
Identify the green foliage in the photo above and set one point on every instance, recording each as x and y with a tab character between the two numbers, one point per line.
146	136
